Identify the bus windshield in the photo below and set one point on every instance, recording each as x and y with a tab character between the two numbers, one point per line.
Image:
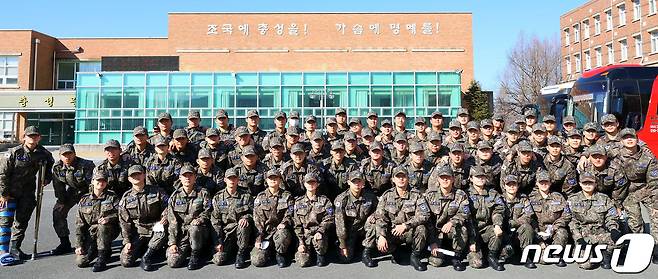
589	99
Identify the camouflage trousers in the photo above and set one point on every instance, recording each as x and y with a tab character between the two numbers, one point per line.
156	241
281	238
595	236
24	207
312	246
60	212
457	239
368	234
97	238
560	236
633	203
234	237
493	243
192	239
415	237
517	240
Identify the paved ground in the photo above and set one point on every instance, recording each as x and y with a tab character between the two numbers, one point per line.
64	267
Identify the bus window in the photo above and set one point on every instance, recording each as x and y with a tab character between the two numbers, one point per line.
588	100
627	103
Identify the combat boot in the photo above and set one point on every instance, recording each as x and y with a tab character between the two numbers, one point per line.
101	262
64	247
240	261
366	258
528	262
414	260
147	264
655	255
280	260
457	264
493	262
195	262
17	253
605	264
321	261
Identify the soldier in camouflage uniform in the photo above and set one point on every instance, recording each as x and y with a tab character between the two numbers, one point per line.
418	168
367	138
355	220
463	117
18	170
331	132
209	176
550	125
280	120
319	149
488	217
524	166
450	216
552	213
538	140
420	135
563	173
590	134
519	231
310	128
372	120
610	139
143	220
490	161
402	215
313	219
593	219
400	151
498	125
243	139
232	222
96	225
71	179
139	149
610	179
487	131
341	121
472	137
435	151
377	170
164	131
640	168
224	129
195	132
460	167
188	214
292	139
568	125
386	137
504	146
253	122
399	124
573	148
218	150
436	123
182	148
531	120
334	171
162	169
277	156
352	149
294	170
455	133
273	209
115	167
356	127
251	171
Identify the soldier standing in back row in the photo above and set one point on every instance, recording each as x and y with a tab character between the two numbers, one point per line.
96	224
162	168
18	170
139	149
313	218
71	179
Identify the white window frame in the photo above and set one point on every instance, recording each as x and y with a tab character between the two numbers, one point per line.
598	56
576	33
567	37
576	58
7	125
637	42
567	61
70	84
637	10
611	53
609	24
621	8
588	60
597	24
5	66
653	38
623	49
585	29
652	7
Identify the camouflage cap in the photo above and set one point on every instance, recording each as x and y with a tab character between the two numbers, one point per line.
399	170
372	113
230	173
311	176
400	137
66	148
355	174
252	113
280	114
330	120
140	130
193	114
587	177
400	113
511	178
310	118
608	118
627	132
386	122
478	171
296	148
419	120
553	140
241	131
473	125
456	147
160	140
292	131
543	175
179	133
204	153
112	144
591	126
486	122
498	117
574	133
164	115
135	169
317	135
432	136
32	131
187	169
355	120
549	118
484	144
273	172
294	114
367	133
337	145
569	119
454	124
376	146
445	170
524	146
513	128
530	113
212	132
462	111
519	120
340	111
597	149
538	128
276	142
349	136
248	150
437	113
221	114
416	147
99	175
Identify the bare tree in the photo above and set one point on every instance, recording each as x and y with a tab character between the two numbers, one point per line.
533	63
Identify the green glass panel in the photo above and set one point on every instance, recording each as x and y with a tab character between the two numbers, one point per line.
382	79
426	78
269	79
314	79
291	79
201	97
449	78
269	97
335	96
336	78
87	80
358	96
403	78
179	97
381	96
86	98
133	80
110	98
86	137
105	136
86	124
313	96
159	79
204	79
423	94
110	124
224	97
111	79
126	137
65	70
131	123
246	79
133	98
403	96
224	79
179	79
156	97
359	78
246	97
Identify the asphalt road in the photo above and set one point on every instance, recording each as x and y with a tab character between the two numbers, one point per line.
64	267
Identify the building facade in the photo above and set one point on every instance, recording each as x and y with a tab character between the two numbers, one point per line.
100	88
605	32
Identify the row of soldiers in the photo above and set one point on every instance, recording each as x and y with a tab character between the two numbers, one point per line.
390	183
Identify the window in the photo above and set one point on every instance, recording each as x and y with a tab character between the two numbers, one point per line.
654	41
66	71
567	40
588	60
6	125
608	20
623	46
637	10
598	56
622	14
611	53
576	57
576	33
652	7
568	63
8	70
585	29
597	24
638	45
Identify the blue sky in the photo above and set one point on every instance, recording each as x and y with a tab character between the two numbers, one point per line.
496	24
